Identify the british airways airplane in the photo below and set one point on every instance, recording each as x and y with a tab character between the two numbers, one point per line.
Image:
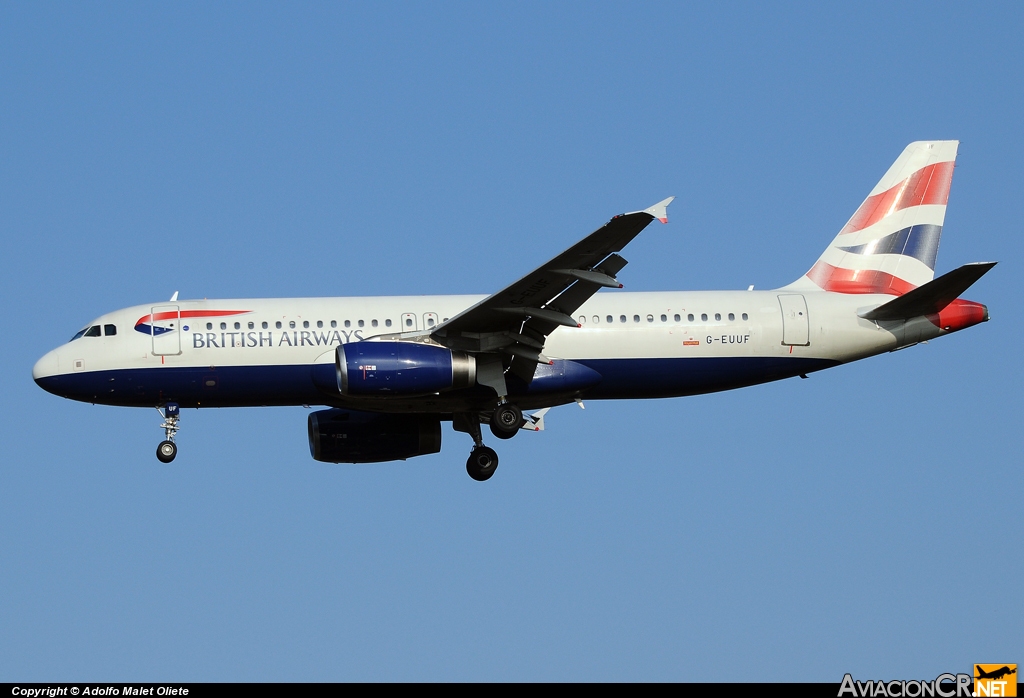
389	370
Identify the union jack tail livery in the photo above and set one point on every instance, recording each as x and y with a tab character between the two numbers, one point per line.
890	244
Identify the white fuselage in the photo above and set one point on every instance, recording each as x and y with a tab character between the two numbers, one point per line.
673	343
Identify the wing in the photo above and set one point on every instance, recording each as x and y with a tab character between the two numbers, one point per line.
513	324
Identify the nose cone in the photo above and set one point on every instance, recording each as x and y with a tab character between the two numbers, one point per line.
46	370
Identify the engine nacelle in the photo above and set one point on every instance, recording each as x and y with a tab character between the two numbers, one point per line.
346	436
401	368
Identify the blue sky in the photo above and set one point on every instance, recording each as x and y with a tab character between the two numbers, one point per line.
865	520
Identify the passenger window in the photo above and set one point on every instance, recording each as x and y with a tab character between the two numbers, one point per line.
93	331
265	324
334	323
703	317
650	318
744	316
442	320
583	319
277	324
622	318
597	319
223	325
731	317
238	325
374	322
689	317
305	323
291	324
636	318
348	323
408	322
209	325
109	330
252	325
319	323
610	319
718	316
676	317
664	317
361	323
387	323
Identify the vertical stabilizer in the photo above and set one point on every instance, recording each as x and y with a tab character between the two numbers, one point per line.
890	244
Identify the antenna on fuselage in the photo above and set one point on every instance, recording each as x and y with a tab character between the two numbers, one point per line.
174	297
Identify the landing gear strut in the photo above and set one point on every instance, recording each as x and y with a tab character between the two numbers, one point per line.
167	449
483	461
506	420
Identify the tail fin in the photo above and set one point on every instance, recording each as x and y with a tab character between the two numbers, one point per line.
890	244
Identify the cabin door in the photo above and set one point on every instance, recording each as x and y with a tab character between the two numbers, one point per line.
165	329
795	324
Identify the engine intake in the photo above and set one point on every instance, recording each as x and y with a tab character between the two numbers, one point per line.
401	368
347	436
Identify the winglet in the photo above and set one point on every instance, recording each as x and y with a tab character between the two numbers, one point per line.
660	209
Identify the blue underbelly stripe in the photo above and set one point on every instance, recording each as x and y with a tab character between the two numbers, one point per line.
242	386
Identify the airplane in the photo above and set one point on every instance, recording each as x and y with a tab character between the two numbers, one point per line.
995	674
389	370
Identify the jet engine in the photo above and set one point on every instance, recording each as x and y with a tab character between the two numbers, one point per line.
401	368
347	436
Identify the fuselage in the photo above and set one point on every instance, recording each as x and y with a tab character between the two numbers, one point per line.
251	352
391	369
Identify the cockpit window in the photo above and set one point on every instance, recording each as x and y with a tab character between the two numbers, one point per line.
109	330
78	334
93	331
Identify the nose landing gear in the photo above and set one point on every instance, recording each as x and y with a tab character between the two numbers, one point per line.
167	449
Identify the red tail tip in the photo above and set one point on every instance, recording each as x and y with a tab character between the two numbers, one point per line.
959	315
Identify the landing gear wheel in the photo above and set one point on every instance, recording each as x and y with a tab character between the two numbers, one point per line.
482	463
506	420
166	451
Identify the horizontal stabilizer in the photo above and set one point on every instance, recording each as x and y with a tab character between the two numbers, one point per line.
931	297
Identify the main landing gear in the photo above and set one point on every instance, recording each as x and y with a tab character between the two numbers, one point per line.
506	420
167	449
505	423
482	463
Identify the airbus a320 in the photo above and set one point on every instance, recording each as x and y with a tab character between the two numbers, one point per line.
390	370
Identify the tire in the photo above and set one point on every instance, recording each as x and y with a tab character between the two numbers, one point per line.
506	420
482	463
166	451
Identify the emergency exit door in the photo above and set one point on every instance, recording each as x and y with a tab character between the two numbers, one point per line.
796	329
409	323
